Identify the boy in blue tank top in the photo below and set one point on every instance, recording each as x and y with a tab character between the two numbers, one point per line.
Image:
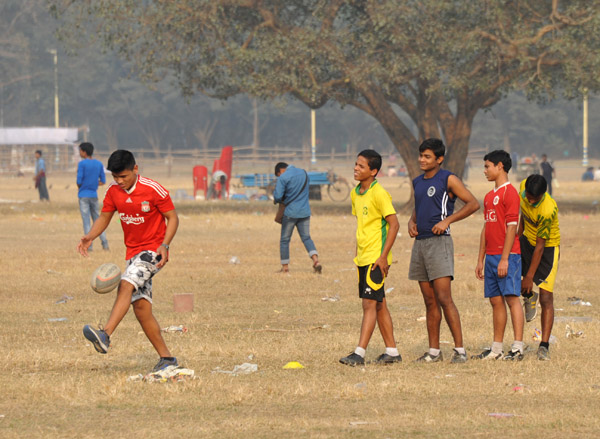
432	258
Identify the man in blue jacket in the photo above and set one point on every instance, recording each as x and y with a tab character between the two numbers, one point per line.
292	190
90	174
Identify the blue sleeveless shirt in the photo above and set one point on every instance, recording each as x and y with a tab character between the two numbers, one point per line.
432	202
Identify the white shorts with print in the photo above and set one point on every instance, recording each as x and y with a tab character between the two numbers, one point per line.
139	273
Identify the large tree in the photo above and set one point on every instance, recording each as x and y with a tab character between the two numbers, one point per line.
421	68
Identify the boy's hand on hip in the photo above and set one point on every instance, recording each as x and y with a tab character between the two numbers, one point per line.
440	228
381	262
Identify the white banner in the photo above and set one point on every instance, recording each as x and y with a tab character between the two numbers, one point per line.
38	136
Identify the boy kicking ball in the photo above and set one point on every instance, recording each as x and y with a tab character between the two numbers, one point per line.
499	261
143	207
375	235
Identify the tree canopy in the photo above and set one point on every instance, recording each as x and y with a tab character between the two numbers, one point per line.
421	68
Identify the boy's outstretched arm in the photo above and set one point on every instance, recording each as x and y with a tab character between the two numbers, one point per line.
172	225
382	262
471	205
98	227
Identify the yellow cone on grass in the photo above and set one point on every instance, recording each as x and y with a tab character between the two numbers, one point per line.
293	365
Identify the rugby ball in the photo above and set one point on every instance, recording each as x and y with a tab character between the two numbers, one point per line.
106	278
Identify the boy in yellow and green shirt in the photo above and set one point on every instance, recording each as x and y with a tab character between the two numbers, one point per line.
539	235
375	234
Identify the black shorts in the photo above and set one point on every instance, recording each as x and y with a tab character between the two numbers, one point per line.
545	275
370	283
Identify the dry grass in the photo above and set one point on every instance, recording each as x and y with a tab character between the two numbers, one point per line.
54	384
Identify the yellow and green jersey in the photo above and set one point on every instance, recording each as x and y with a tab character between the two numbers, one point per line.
370	209
540	219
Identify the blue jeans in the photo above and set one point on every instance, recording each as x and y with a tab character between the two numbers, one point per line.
287	228
89	208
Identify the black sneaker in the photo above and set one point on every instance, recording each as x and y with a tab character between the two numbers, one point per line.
457	357
428	358
514	355
163	363
543	354
353	360
487	355
388	359
98	337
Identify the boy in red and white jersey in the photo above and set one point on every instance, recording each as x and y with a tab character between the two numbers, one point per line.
149	223
502	255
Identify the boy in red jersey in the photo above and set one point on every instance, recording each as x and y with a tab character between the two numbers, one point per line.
502	254
143	207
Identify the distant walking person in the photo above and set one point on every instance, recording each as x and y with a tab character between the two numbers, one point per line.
291	190
40	176
432	259
548	172
90	174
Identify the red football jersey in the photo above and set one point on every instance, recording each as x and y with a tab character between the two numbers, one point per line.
140	211
500	208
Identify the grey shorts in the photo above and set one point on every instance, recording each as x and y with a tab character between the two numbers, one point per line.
432	258
139	273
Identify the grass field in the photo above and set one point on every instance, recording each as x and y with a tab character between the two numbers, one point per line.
55	385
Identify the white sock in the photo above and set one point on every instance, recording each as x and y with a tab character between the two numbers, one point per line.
518	345
360	351
460	350
392	352
434	352
497	347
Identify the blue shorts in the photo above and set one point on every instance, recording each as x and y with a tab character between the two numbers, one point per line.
510	285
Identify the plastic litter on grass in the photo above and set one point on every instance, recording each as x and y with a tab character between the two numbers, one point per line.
172	374
240	369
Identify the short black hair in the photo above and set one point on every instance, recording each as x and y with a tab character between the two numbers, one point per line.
535	185
88	148
497	156
39	151
120	160
279	166
435	145
373	158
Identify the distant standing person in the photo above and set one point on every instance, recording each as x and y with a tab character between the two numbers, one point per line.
432	258
90	175
375	235
499	260
291	190
149	222
548	172
40	176
539	234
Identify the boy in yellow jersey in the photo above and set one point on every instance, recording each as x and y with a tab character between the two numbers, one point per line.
539	234
375	235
